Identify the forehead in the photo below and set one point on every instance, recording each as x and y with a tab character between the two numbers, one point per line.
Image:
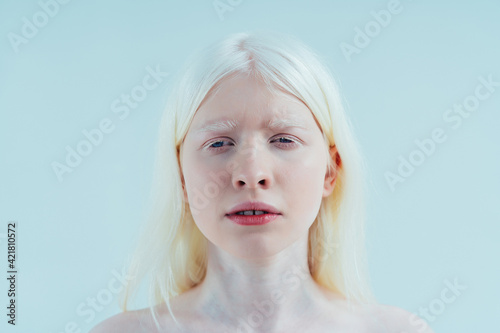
245	99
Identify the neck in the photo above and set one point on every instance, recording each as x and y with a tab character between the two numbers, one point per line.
258	294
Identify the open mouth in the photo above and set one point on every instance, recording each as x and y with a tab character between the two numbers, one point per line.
253	208
252	212
253	217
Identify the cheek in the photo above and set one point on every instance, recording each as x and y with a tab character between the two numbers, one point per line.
198	191
205	183
303	188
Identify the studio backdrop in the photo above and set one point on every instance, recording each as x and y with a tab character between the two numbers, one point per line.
82	88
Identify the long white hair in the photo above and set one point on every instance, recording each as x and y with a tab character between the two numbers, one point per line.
172	250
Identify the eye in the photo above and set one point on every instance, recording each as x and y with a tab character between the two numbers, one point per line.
217	145
285	141
282	141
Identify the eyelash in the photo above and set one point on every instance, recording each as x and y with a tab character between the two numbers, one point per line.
281	137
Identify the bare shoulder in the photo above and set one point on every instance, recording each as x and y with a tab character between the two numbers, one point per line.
352	316
137	321
397	320
122	322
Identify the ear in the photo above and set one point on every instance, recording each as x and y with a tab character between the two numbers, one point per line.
331	173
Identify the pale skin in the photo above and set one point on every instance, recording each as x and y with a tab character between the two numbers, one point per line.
257	277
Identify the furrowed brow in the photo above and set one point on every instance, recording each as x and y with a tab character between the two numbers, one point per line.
278	124
224	125
273	124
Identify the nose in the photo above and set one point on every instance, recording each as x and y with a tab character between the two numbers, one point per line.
252	169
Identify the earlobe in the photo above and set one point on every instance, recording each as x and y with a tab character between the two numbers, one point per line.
330	180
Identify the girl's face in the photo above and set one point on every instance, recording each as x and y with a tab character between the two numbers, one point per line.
283	165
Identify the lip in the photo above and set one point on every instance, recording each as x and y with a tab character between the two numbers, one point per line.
253	219
253	205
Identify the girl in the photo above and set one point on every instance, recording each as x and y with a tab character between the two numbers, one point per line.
258	219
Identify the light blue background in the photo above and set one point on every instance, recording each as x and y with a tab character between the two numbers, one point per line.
440	224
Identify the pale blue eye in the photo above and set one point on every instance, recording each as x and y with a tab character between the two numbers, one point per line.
287	140
215	144
281	141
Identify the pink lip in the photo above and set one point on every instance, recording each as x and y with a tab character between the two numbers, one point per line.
253	205
253	219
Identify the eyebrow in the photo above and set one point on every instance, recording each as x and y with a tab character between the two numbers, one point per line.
273	124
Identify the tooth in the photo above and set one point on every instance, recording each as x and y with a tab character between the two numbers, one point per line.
252	212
